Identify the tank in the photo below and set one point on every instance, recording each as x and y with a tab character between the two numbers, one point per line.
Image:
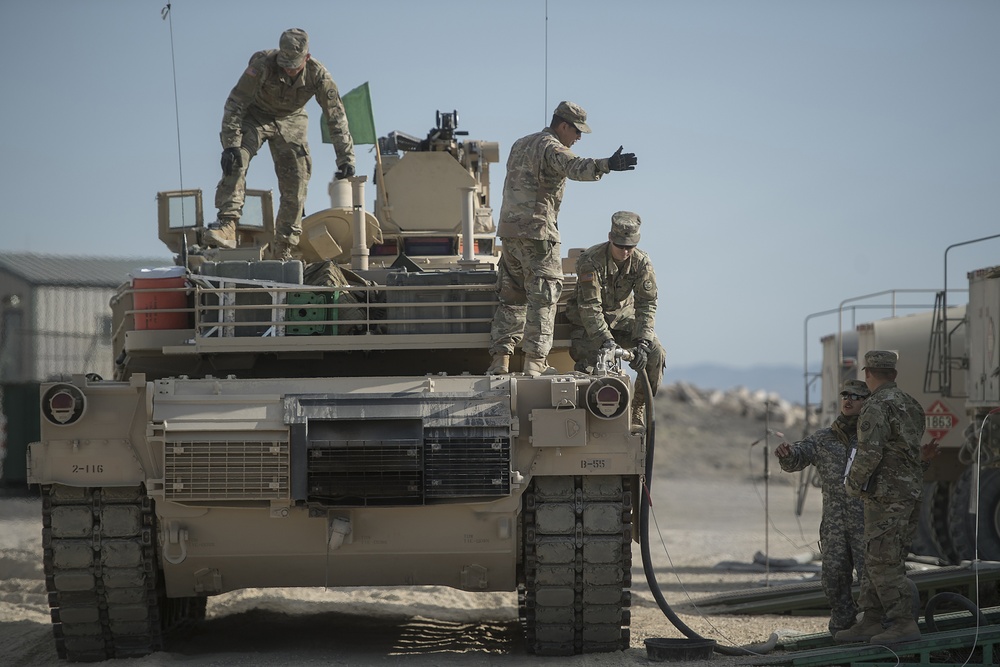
947	361
326	422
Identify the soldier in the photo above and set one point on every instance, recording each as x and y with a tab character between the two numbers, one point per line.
886	474
529	279
615	303
267	104
841	530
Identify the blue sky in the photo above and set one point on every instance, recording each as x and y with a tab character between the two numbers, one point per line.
792	154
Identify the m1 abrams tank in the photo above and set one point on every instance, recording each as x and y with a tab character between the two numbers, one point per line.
326	422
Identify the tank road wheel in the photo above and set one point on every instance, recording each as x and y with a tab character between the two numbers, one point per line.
577	566
961	522
102	574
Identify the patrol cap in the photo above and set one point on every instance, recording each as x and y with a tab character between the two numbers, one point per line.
293	48
880	360
625	228
573	114
856	387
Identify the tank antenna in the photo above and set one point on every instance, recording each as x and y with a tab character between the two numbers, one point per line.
546	97
168	17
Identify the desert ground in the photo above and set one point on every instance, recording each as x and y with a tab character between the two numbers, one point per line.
712	504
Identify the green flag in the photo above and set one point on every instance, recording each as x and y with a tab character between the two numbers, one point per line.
358	105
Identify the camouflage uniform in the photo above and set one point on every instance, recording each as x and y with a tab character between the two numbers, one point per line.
614	302
267	105
841	531
887	474
529	280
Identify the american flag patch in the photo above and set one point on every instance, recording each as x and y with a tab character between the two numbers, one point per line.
586	277
250	71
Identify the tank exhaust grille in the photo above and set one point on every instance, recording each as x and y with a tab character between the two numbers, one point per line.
365	472
410	472
466	467
225	470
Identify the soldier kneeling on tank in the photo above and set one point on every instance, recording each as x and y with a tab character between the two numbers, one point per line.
615	304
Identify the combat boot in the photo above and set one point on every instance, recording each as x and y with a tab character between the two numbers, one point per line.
638	415
902	630
281	251
500	365
535	366
862	631
220	234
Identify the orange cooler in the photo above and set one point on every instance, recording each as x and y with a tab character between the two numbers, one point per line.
169	278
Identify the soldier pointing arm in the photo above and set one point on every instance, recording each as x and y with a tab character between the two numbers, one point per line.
529	280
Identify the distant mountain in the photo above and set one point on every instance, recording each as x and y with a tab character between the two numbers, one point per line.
787	381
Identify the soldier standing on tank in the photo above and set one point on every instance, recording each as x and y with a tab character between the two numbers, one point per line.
267	104
886	474
614	303
529	276
841	530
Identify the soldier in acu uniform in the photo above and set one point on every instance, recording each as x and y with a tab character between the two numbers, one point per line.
529	280
841	531
267	104
615	304
887	475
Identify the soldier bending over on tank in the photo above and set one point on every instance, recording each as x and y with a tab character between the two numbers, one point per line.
529	276
615	304
267	104
841	530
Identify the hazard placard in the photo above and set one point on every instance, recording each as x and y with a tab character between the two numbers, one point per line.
939	420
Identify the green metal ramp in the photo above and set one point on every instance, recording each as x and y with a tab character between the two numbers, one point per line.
808	598
930	650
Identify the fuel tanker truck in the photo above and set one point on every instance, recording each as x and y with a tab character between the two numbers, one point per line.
949	360
326	422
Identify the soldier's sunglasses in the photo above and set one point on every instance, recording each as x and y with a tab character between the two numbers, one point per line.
853	397
622	247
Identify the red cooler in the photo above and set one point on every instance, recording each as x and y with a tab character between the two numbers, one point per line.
171	279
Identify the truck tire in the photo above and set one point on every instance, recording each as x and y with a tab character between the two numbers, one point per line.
933	538
962	524
102	574
577	562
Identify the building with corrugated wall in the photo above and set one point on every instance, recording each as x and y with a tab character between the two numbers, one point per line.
54	314
55	320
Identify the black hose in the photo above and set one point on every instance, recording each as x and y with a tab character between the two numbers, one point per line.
647	564
963	601
644	505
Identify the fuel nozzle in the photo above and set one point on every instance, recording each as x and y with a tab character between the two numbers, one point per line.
609	360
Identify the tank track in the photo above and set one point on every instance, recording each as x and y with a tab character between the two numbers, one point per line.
102	574
577	566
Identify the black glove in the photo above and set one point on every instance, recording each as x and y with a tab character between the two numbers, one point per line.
231	159
345	172
640	355
607	345
622	161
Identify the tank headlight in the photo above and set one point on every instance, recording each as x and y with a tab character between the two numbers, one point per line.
607	397
63	404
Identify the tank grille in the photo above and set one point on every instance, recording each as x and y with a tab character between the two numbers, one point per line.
463	467
407	472
225	470
365	472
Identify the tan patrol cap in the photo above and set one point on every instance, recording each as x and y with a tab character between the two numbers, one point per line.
573	114
625	228
880	360
856	387
293	48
